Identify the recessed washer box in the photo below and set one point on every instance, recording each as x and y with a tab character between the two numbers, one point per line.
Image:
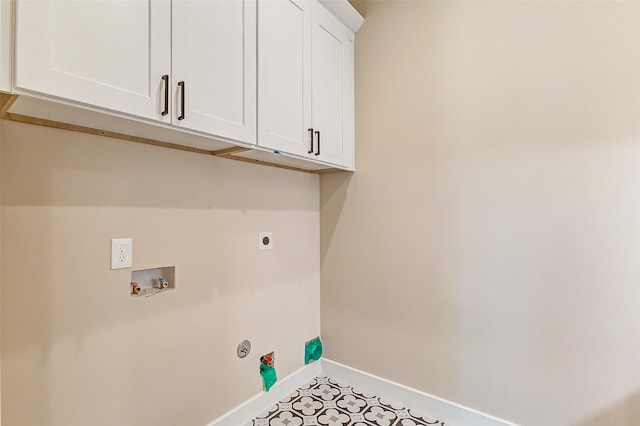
149	282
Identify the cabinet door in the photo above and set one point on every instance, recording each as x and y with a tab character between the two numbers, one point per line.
284	75
214	55
106	53
333	88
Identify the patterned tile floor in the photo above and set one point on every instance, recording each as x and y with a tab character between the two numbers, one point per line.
328	402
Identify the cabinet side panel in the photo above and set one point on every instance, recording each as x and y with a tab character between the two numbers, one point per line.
5	46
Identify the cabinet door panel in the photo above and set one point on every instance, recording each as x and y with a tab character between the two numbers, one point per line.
284	78
332	92
214	53
105	53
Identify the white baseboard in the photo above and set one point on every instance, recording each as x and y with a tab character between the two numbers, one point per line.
451	413
243	413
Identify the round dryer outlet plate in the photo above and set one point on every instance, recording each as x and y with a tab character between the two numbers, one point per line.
265	240
244	348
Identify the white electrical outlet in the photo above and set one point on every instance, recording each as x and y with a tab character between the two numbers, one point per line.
121	253
265	240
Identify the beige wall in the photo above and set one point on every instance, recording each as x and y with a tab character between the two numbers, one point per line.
487	248
0	278
77	349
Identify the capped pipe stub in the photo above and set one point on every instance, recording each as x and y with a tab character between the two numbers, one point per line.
267	360
312	350
268	371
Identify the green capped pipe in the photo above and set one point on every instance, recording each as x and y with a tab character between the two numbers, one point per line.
312	350
269	377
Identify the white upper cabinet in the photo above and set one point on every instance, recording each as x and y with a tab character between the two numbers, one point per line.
305	82
332	89
284	75
109	54
214	67
189	63
274	74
